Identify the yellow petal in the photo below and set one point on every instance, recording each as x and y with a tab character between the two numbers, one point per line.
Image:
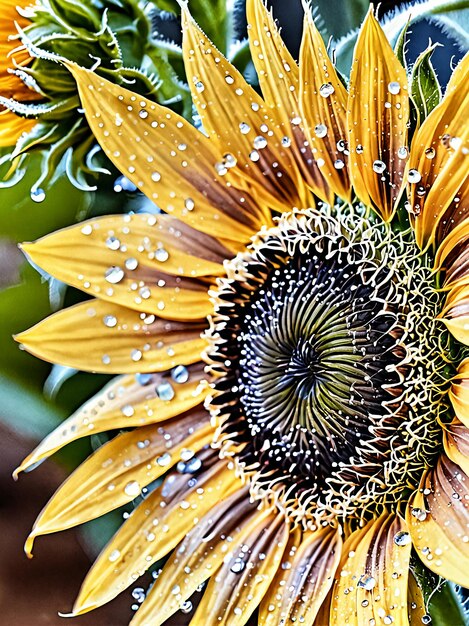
456	444
237	588
438	521
455	313
297	592
279	78
416	603
452	256
199	556
377	131
12	127
439	155
125	402
152	530
373	575
130	279
98	336
118	470
240	124
167	158
459	393
323	100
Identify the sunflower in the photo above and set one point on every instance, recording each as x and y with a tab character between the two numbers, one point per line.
11	84
291	336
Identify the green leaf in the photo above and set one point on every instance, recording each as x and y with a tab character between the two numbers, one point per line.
425	90
444	605
401	43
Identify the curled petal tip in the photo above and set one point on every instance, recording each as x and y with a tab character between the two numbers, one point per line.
28	546
60	614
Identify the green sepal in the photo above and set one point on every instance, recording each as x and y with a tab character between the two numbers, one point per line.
425	90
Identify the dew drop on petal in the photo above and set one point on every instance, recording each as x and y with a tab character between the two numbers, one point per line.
379	166
161	255
115	554
180	374
136	355
114	274
189	204
229	79
132	489
260	142
244	128
186	607
165	391
164	460
320	130
131	264
199	86
359	149
127	410
296	120
414	176
87	229
286	142
394	88
430	153
254	156
339	164
326	90
238	566
156	177
402	152
402	538
113	243
110	321
419	514
366	582
143	379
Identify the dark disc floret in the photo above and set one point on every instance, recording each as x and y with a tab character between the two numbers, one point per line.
323	336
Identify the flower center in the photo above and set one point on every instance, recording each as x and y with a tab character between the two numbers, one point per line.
316	361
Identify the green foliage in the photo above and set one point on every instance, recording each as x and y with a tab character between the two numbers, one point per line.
425	90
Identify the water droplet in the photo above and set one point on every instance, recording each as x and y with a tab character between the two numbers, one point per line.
220	168
164	460
127	410
136	355
286	142
110	321
455	142
161	255
426	619
38	194
180	374
143	379
238	566
326	90
132	489
414	176
394	88
145	292
430	153
254	156
402	152
156	177
339	164
87	229
359	149
189	204
402	538
229	79
366	582
388	619
260	142
379	166
189	467
175	590
229	160
114	274
131	264
320	130
165	391
113	243
115	554
199	86
296	121
419	514
244	128
186	607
